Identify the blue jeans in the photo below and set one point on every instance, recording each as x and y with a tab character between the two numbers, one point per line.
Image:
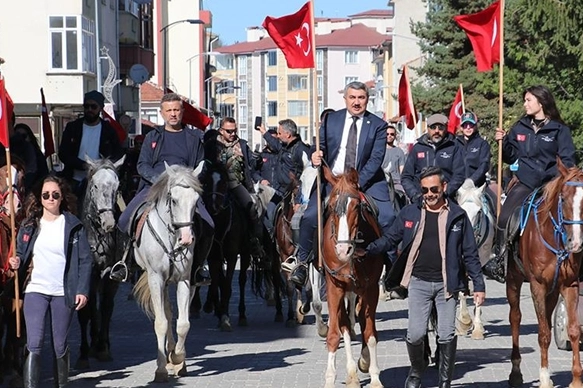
35	310
422	295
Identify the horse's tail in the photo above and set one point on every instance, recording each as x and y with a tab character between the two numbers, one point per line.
142	295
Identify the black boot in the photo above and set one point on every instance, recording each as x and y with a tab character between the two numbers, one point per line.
31	371
494	268
418	364
299	275
447	362
62	375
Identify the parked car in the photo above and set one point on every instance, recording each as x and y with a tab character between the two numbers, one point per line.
560	329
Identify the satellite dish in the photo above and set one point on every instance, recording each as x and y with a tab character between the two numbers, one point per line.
139	73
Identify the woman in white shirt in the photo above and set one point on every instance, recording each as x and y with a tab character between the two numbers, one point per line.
54	263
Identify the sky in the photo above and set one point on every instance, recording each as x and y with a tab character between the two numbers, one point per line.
232	17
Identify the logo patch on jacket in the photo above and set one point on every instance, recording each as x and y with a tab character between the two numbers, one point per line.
264	160
408	224
26	238
444	155
521	137
474	149
456	228
547	139
420	155
153	144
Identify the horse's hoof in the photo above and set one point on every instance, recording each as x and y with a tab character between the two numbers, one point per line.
161	377
363	365
243	322
515	380
278	318
477	335
304	309
323	331
352	382
290	323
180	369
81	364
226	325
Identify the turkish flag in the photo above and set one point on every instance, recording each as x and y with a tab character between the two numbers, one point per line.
121	133
5	115
406	107
455	114
483	29
193	116
294	35
49	143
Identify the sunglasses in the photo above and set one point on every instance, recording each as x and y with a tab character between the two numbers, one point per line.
439	127
433	189
55	194
468	125
230	131
390	134
90	106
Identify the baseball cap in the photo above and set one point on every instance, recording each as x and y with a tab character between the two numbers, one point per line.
436	119
469	117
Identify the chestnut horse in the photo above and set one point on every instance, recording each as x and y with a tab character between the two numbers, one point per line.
350	224
549	257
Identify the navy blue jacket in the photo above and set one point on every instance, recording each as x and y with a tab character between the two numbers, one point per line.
461	249
477	156
447	155
77	276
370	153
150	152
537	152
289	159
109	146
268	161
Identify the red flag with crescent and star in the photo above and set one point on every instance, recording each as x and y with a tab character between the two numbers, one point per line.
455	114
5	115
483	30
293	35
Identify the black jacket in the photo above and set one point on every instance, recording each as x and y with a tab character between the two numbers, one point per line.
477	156
109	146
289	160
77	276
537	152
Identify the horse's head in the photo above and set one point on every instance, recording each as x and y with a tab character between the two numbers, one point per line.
343	212
180	190
215	184
563	200
470	198
101	195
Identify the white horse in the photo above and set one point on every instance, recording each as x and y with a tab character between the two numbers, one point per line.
475	202
165	251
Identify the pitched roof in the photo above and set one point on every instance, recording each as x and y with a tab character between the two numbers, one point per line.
151	92
358	35
373	13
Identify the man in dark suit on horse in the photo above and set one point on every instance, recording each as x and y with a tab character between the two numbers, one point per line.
349	138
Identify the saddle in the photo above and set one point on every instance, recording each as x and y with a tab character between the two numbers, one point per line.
138	220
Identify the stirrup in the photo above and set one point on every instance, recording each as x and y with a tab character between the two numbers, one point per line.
289	264
113	270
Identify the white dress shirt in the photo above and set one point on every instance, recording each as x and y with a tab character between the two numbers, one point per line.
338	167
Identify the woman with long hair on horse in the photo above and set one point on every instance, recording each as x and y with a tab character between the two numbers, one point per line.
531	147
54	260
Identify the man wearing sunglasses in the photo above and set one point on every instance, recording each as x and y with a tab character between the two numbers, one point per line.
89	136
438	148
438	249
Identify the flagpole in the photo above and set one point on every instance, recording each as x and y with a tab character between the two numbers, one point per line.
462	95
317	129
500	108
13	239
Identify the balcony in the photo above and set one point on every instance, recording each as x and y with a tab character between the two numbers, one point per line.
129	55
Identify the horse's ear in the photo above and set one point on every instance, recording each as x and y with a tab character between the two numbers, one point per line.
328	175
90	161
119	163
198	169
562	169
352	176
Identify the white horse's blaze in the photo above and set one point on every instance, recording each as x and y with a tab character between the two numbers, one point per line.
577	242
344	249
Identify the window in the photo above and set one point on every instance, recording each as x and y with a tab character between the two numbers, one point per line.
224	62
320	85
320	107
72	43
242	119
351	57
129	6
271	108
297	82
242	65
243	89
319	59
272	83
226	87
272	58
303	131
297	108
348	80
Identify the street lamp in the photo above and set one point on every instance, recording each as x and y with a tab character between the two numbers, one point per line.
164	30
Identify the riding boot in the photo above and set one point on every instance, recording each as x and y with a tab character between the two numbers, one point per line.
494	268
418	364
31	371
447	362
62	370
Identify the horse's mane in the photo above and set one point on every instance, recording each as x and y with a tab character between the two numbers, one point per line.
174	175
344	188
553	188
99	164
